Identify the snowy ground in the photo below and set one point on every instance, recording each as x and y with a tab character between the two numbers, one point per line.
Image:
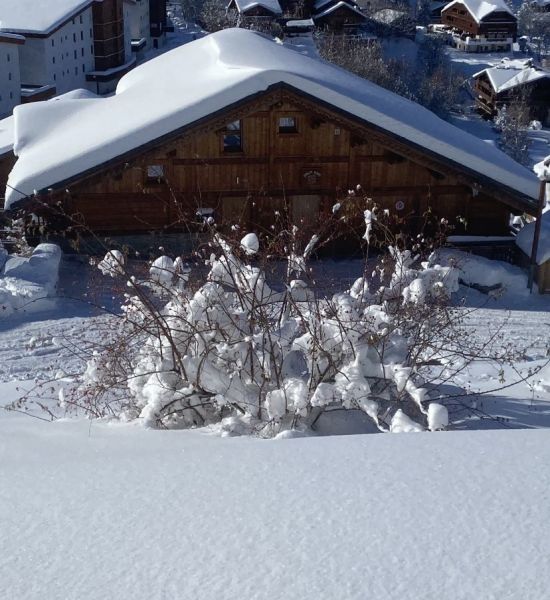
119	512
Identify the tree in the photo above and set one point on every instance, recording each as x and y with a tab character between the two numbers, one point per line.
512	120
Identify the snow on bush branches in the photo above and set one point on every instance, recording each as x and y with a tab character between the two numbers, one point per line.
239	351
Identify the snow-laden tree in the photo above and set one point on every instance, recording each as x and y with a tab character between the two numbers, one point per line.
511	121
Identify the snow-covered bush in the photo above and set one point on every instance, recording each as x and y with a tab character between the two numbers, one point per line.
257	351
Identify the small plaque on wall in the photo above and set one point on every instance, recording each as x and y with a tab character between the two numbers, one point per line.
312	176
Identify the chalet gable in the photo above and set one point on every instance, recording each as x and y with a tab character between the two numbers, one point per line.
228	70
481	11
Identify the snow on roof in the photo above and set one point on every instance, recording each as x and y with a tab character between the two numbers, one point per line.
319	4
479	9
58	141
7	133
30	16
271	5
338	5
300	23
509	74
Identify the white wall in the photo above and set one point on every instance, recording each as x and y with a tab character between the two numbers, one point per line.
61	59
10	82
127	31
140	26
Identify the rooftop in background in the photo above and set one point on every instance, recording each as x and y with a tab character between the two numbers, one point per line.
271	5
32	16
480	9
509	74
56	144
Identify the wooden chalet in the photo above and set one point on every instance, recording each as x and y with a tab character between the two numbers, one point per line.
509	81
256	9
479	26
288	142
337	15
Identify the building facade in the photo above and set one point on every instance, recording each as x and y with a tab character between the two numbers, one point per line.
478	26
10	80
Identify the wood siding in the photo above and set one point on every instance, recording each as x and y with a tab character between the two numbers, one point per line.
6	165
326	155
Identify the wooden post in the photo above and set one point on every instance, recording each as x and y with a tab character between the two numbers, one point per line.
536	235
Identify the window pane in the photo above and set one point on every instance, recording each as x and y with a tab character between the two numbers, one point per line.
287	125
232	143
234	126
155	172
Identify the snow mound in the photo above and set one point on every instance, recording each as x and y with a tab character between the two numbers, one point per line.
28	282
524	239
478	271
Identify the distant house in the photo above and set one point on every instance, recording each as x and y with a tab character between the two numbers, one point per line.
261	128
497	85
263	9
158	20
69	44
541	5
337	14
10	79
139	23
480	26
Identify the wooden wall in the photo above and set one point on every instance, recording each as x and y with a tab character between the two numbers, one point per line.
302	172
6	165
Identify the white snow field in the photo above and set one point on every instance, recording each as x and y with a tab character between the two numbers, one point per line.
122	512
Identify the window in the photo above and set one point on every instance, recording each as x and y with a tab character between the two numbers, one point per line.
75	54
76	70
287	125
81	20
82	51
232	137
9	57
155	173
83	68
74	37
53	42
81	35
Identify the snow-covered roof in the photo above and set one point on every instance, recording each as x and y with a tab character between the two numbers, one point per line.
7	131
57	142
338	5
271	5
30	16
509	74
320	4
300	23
479	9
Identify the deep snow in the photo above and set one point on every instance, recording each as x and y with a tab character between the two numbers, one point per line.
120	512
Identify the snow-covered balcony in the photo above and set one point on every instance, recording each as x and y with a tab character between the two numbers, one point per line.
469	43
